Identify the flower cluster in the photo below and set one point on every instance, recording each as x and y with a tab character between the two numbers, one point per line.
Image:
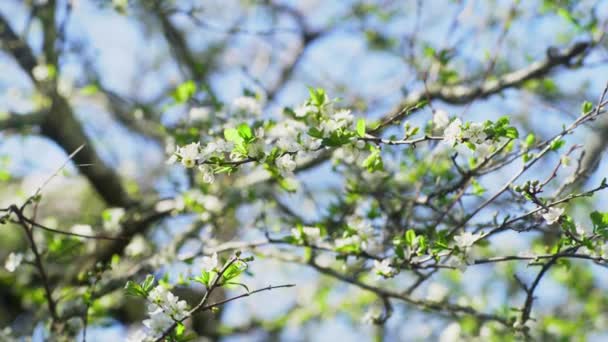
383	268
307	128
164	309
466	239
246	105
553	214
483	138
13	261
309	234
193	154
357	236
339	121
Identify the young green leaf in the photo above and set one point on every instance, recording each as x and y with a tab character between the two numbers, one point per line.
361	127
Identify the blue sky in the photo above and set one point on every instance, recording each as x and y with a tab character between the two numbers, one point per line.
121	50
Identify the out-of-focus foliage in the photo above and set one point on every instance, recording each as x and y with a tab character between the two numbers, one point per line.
285	170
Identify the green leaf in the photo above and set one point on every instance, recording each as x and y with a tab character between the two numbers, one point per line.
147	284
180	329
184	91
503	120
410	237
530	139
239	284
556	144
374	161
511	132
90	89
317	96
5	176
429	51
600	222
478	190
245	132
287	185
422	243
338	138
140	290
233	271
564	13
586	107
470	145
400	252
204	278
232	134
315	133
361	127
133	289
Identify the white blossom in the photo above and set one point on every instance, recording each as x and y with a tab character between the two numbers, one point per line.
13	261
483	150
87	230
312	234
451	333
302	111
384	268
310	143
190	154
165	301
288	128
371	315
259	132
440	119
41	72
362	226
172	159
178	309
353	240
65	86
247	105
452	132
212	203
197	114
475	133
330	126
466	239
553	214
289	144
139	336
256	150
158	294
458	264
436	292
82	229
580	230
158	322
112	218
286	164
207	172
223	146
347	153
603	252
137	246
208	264
343	115
340	120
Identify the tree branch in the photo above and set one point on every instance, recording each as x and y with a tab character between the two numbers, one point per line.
14	121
